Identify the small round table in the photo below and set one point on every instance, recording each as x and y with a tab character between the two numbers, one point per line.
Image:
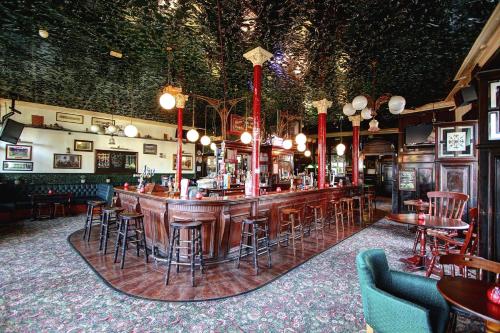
420	206
470	295
433	222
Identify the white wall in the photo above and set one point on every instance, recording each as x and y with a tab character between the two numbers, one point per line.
46	142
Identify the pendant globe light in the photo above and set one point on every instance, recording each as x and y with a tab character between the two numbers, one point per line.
131	131
301	147
307	153
340	148
192	135
167	98
205	139
287	143
301	138
246	137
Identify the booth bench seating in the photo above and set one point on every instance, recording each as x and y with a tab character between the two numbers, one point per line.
19	197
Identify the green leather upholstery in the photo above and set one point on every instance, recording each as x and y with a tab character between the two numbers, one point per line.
396	301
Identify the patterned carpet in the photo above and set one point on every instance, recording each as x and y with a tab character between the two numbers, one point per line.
45	287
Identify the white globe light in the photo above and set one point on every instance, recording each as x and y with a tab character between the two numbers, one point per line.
348	109
167	101
366	113
213	146
373	126
111	129
287	144
301	139
359	102
246	138
397	103
131	131
301	147
340	149
192	135
205	140
95	128
307	153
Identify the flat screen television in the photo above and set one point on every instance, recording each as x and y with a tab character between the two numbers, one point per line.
11	131
419	134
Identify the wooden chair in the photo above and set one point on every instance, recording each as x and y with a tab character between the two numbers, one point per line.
445	244
443	204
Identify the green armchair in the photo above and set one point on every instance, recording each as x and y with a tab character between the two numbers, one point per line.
396	301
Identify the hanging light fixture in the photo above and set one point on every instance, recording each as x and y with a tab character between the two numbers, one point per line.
396	104
205	139
43	33
213	146
95	128
301	147
348	109
366	113
193	135
301	138
130	130
359	102
307	153
340	148
246	137
167	98
373	126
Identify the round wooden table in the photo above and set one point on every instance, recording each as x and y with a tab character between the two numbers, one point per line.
470	295
433	222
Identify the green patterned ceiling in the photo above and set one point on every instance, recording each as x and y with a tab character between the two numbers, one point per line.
322	48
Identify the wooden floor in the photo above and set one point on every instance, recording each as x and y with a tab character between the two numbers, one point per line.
218	281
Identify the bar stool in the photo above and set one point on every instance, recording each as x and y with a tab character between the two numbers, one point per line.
371	206
94	212
137	235
290	227
251	227
361	207
43	210
317	220
59	207
337	215
193	250
110	216
348	209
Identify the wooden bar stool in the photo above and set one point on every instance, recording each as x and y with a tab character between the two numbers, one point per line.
318	221
194	249
371	206
94	212
110	216
59	207
360	207
348	209
130	222
290	226
337	215
251	227
43	210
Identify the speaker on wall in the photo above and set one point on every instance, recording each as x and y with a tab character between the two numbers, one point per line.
465	96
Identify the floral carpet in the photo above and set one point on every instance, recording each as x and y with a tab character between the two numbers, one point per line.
46	287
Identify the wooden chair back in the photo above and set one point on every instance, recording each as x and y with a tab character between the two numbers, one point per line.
466	263
447	204
471	237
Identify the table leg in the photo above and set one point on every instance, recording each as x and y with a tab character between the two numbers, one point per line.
417	262
491	327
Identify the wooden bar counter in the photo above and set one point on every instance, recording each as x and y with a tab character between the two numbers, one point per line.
221	216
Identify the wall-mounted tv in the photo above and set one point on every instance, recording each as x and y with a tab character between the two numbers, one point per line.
11	131
419	134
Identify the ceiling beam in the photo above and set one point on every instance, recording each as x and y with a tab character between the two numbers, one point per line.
430	107
385	131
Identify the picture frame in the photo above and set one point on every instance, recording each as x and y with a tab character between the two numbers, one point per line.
186	164
17	166
407	180
102	121
83	145
237	124
67	161
494	102
69	118
150	149
18	152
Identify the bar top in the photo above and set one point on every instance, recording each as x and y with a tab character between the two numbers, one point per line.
230	199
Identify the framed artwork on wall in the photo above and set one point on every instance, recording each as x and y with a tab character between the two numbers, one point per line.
67	161
69	118
186	162
150	149
102	121
456	141
237	124
407	180
83	145
17	166
18	152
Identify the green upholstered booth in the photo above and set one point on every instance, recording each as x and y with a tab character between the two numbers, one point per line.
398	302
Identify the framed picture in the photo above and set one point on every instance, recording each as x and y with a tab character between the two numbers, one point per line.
186	162
67	161
407	180
456	141
69	118
237	124
494	125
18	152
102	121
17	166
83	145
494	95
150	149
112	161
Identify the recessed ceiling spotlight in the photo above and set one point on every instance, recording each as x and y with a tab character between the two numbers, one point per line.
116	54
43	33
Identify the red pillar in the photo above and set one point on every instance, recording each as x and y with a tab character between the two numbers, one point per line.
257	83
257	56
321	149
178	161
355	149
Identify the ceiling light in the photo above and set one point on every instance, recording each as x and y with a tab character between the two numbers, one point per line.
287	144
213	146
359	102
373	126
396	104
301	139
301	147
167	99
131	131
205	140
192	135
111	140
366	113
111	129
95	128
348	109
116	54
340	148
307	153
43	33
246	137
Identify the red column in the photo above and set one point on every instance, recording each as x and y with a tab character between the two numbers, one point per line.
257	83
355	152
321	149
178	161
